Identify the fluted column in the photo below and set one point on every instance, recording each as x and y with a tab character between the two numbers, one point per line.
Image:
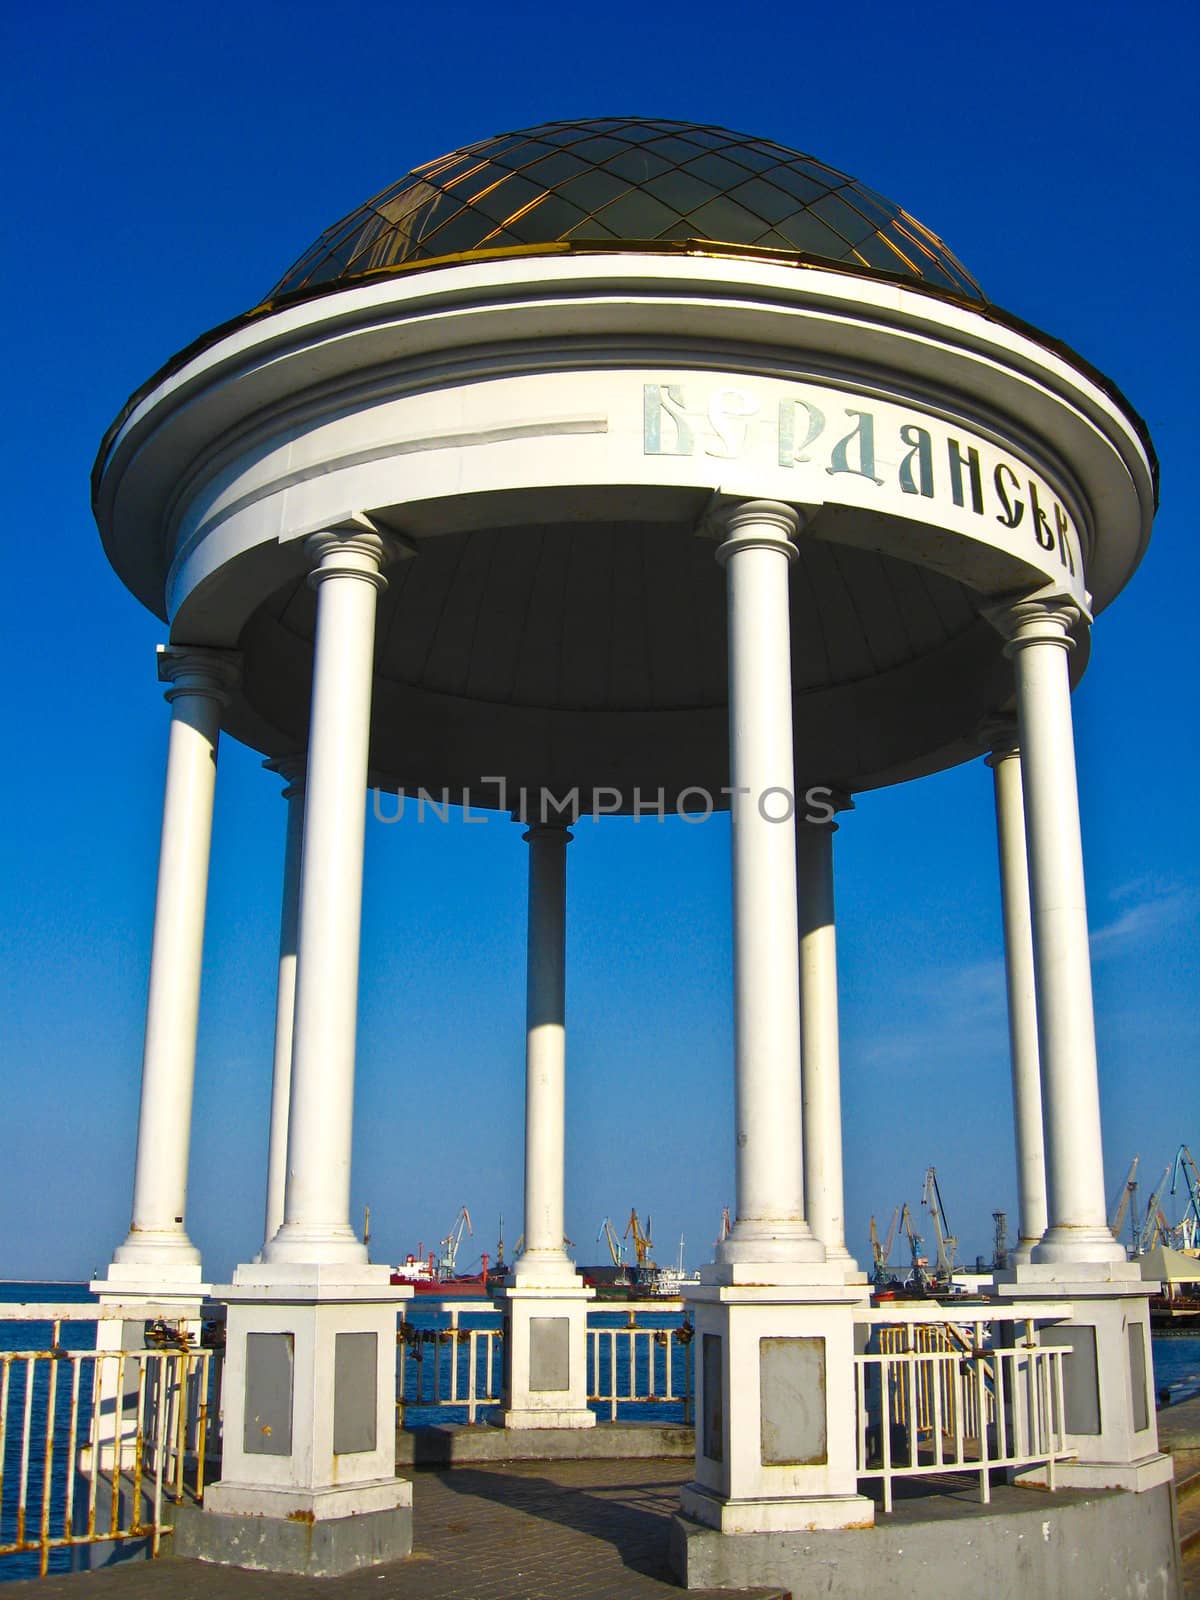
1005	762
824	1200
316	1225
1039	640
199	683
544	1260
770	1224
291	769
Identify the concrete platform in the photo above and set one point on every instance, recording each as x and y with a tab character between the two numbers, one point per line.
941	1541
445	1444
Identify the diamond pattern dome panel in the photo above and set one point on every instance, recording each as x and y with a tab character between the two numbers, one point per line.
622	182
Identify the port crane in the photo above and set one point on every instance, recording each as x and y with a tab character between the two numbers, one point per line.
1154	1223
947	1242
1123	1203
881	1252
642	1242
616	1247
919	1276
450	1244
1186	1232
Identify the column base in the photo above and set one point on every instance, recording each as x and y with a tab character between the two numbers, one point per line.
169	1251
142	1300
775	1516
309	1395
776	1415
163	1278
319	1534
1067	1249
555	1271
1108	1377
782	1245
296	1246
544	1417
545	1355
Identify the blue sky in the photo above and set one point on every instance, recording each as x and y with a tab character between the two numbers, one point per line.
164	165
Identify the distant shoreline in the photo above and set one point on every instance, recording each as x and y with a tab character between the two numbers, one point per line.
6	1283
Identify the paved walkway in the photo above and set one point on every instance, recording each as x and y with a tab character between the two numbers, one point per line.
539	1530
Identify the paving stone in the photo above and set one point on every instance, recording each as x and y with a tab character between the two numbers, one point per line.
541	1530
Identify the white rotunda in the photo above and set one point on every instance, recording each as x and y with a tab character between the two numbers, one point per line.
601	461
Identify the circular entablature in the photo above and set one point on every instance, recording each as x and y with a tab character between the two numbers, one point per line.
547	443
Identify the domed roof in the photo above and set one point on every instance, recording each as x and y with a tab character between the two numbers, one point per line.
621	182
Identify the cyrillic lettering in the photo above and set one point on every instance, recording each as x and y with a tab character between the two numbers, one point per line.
971	461
789	451
922	453
661	400
1013	510
864	432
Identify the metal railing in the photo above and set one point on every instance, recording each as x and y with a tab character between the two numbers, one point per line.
459	1364
95	1444
656	1363
937	1396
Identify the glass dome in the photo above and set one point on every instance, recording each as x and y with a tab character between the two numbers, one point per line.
622	182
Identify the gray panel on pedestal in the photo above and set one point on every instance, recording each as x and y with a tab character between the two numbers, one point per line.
1081	1376
791	1377
713	1398
549	1353
355	1392
267	1418
1137	1376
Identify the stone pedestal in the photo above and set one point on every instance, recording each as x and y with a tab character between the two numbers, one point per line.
545	1355
775	1404
1108	1380
146	1293
309	1403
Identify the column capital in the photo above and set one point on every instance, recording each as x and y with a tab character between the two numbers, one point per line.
350	552
292	768
755	525
1002	738
1037	619
543	832
195	669
824	797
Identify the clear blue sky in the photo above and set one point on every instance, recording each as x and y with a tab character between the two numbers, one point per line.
163	166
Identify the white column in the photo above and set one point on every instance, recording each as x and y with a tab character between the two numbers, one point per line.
316	1225
544	1260
1038	642
291	769
544	1300
157	1240
770	1224
824	1203
1005	762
